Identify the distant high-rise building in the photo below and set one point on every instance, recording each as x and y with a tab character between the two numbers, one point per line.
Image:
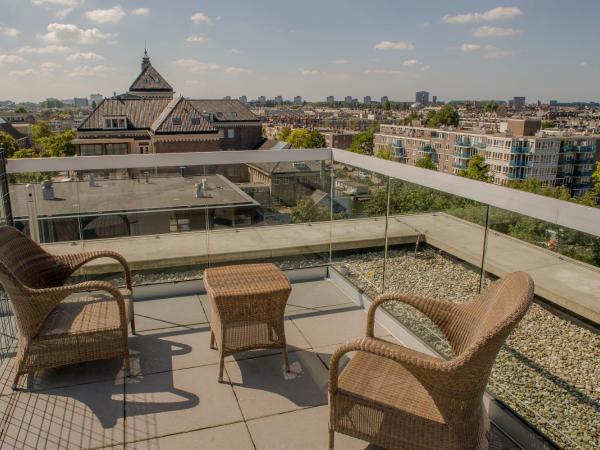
434	100
297	100
348	100
384	99
330	100
80	102
96	99
279	100
422	97
227	97
518	102
367	100
243	99
553	103
262	99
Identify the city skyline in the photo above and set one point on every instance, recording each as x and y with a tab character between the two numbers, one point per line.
72	48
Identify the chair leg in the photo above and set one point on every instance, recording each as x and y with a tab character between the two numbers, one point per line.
221	366
15	385
133	326
331	439
212	340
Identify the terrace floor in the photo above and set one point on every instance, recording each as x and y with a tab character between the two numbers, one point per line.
173	399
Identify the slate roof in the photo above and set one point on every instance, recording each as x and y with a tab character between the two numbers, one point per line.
150	80
141	112
225	110
10	130
181	117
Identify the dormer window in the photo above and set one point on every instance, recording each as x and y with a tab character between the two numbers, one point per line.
233	115
195	121
177	121
115	123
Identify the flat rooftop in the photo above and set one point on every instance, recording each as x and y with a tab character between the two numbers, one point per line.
173	399
79	198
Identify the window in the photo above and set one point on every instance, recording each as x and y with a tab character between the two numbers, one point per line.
90	149
233	115
195	121
115	123
176	121
231	133
116	149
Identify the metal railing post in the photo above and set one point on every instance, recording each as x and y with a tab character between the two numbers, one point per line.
34	229
5	191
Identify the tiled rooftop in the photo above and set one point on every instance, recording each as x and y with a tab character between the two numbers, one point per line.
173	398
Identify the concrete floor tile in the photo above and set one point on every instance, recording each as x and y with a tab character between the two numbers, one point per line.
168	312
263	387
226	437
176	402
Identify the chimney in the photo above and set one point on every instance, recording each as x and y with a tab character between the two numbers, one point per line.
47	190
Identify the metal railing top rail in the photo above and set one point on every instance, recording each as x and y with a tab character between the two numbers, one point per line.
567	214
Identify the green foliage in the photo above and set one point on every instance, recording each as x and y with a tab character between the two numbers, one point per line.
410	118
491	106
445	116
426	163
535	186
548	124
58	144
385	153
284	133
303	138
307	211
387	105
25	153
20	109
363	142
8	143
477	169
40	130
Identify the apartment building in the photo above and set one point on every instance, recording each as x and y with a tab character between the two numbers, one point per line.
518	152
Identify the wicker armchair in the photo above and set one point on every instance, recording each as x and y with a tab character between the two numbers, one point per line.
399	398
55	328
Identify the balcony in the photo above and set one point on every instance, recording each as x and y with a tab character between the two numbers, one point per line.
520	163
520	150
411	229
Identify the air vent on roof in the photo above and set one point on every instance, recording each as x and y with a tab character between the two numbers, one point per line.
176	120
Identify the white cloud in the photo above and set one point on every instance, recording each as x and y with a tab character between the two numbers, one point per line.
485	32
383	72
111	15
91	71
400	45
63	13
491	52
237	70
192	39
468	48
64	3
140	12
10	32
49	66
64	32
11	59
498	13
341	61
200	17
22	73
411	62
196	66
309	73
48	49
236	51
85	56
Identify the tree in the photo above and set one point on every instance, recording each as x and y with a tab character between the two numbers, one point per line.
284	133
409	119
386	153
426	163
363	142
20	109
307	211
546	124
58	144
445	116
387	105
314	140
477	169
40	130
536	186
94	104
8	143
491	107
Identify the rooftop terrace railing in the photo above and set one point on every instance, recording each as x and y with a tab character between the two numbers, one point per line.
399	228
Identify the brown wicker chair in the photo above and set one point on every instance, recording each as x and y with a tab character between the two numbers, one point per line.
55	328
399	398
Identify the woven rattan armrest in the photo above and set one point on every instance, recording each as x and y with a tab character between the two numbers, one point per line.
436	310
409	358
75	261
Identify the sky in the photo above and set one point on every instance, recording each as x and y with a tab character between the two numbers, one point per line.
463	49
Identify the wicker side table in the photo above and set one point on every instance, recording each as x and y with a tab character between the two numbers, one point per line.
248	303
